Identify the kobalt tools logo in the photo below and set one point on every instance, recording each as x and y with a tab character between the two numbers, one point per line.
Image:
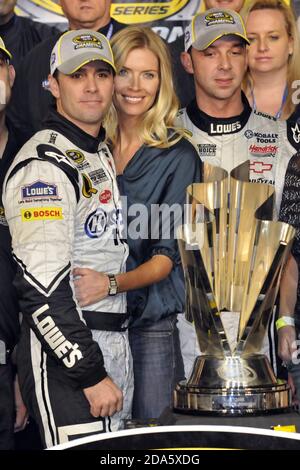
261	137
39	189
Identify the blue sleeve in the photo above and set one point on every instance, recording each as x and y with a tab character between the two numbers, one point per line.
185	169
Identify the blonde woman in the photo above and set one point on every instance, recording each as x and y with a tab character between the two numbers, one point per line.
273	57
155	163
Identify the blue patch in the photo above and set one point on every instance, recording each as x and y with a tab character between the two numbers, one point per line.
39	189
96	224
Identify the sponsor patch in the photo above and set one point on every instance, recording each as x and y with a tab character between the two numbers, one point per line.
105	196
265	150
45	150
248	134
52	138
261	180
259	113
78	158
39	189
207	150
87	187
84	41
96	223
219	17
261	137
98	176
41	213
229	128
296	133
260	167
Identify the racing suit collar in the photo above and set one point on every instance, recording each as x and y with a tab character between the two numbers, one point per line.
218	126
77	136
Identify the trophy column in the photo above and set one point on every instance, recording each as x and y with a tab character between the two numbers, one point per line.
232	254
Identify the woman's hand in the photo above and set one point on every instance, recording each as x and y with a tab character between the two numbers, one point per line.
90	286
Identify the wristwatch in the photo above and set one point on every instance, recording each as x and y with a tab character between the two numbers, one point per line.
113	285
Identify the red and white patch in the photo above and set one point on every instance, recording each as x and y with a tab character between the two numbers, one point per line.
260	167
105	196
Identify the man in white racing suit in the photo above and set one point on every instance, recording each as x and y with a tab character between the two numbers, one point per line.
222	126
63	209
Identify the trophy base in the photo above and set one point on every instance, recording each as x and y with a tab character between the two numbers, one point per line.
232	386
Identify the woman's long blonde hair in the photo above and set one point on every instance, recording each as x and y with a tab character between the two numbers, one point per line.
293	70
159	119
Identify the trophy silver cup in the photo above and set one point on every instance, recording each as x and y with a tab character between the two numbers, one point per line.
233	254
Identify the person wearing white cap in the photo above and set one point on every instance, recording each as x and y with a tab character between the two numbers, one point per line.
224	128
63	209
31	98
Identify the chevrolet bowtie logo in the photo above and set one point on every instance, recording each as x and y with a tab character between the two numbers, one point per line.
260	167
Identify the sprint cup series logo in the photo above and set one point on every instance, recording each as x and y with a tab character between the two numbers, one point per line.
124	11
218	18
143	12
87	40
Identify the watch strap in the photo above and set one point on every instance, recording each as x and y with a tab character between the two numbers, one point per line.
113	285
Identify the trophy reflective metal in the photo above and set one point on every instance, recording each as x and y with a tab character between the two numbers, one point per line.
232	254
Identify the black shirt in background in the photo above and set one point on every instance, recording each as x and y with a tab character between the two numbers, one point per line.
21	34
9	308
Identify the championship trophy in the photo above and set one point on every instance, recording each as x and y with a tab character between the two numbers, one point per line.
233	255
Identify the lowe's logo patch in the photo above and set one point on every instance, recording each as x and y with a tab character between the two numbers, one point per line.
39	189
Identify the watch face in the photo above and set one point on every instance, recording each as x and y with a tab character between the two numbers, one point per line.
113	286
